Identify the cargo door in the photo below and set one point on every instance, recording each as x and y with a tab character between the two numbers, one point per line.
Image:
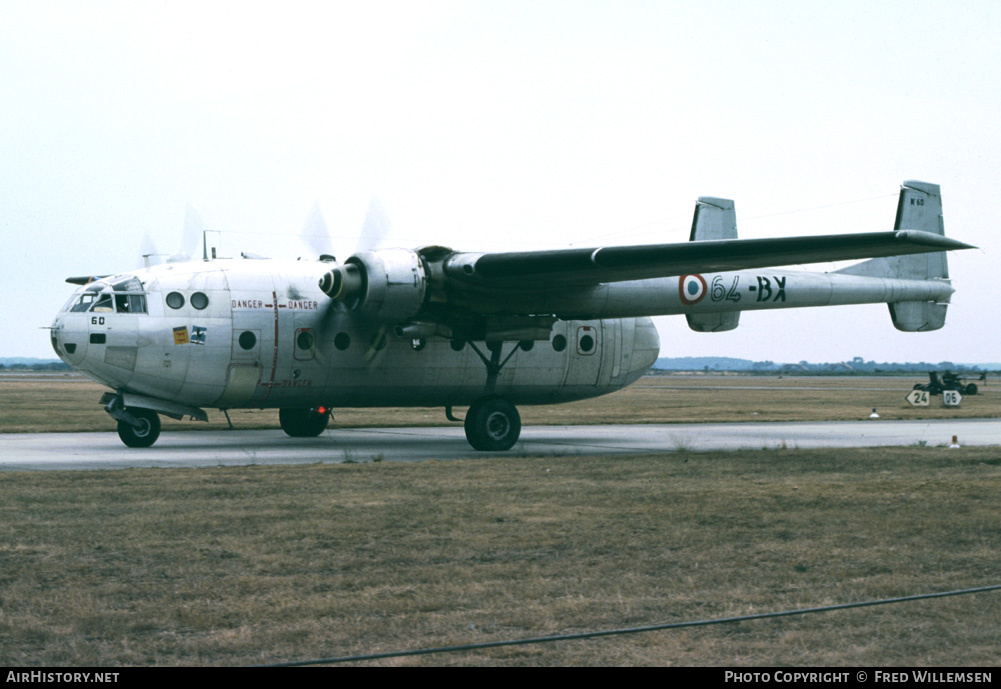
584	347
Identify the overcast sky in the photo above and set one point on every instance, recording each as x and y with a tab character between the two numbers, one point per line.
499	126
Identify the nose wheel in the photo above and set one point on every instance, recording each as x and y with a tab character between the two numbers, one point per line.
492	424
142	433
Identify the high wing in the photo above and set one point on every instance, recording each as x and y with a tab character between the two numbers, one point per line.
709	279
621	263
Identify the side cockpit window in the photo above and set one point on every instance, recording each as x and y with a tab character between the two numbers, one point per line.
130	296
103	304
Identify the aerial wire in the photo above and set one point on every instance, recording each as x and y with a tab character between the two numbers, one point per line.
631	630
378	216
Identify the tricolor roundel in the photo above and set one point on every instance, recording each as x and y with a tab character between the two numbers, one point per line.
691	289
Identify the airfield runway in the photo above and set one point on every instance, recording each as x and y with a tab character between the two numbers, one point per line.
74	451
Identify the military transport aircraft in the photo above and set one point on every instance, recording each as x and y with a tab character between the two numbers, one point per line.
437	327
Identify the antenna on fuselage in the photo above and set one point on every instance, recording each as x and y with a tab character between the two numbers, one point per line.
210	252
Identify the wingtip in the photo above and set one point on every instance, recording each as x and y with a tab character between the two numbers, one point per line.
932	239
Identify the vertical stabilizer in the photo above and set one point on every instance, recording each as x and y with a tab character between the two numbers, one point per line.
714	219
918	208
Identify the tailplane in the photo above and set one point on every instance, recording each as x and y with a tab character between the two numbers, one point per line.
919	208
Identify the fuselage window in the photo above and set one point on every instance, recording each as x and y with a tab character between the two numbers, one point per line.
175	300
342	341
559	343
199	300
304	340
247	340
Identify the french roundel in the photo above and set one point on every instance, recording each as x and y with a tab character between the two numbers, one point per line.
691	289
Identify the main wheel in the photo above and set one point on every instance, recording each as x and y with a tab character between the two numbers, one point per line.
304	423
143	435
492	424
970	389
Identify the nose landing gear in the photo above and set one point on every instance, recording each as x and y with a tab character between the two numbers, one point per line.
143	432
138	416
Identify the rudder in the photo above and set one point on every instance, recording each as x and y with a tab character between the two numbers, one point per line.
919	207
714	219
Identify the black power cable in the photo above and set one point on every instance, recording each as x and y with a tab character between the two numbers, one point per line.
631	630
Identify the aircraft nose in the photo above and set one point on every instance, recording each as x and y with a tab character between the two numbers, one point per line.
69	338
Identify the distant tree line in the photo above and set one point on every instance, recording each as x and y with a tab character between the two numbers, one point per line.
855	365
848	368
858	365
46	366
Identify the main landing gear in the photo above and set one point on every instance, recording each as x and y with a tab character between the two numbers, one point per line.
492	423
304	423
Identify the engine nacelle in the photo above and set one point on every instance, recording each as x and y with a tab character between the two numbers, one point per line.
387	285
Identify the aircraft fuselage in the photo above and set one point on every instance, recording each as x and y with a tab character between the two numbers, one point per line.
259	333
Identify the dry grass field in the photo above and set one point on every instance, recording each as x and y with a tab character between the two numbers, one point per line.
70	403
237	566
234	566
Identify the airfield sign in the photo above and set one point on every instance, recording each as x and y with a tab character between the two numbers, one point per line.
921	398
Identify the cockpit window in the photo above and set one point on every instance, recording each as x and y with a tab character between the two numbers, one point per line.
130	297
126	296
81	302
130	285
103	304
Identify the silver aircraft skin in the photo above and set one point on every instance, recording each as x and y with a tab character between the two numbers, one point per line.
437	327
